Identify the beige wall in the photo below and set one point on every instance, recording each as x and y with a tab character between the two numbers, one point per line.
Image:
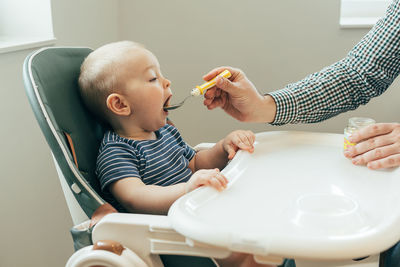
274	42
35	222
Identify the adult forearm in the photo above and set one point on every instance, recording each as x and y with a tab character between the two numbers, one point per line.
322	95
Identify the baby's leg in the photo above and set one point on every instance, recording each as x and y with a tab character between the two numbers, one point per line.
240	260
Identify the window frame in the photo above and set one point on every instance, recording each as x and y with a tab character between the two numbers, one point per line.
361	13
25	24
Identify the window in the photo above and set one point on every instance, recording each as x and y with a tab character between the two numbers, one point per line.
25	24
361	13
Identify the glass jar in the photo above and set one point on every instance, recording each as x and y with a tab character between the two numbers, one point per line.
354	125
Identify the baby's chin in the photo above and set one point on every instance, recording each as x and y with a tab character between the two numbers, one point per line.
161	124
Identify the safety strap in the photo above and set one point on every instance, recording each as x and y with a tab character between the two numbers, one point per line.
71	147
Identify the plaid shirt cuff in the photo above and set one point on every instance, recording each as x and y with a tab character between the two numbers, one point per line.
286	106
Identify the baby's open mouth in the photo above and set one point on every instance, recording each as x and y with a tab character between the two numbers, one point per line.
166	103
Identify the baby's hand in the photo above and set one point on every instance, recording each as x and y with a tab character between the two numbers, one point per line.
239	139
210	177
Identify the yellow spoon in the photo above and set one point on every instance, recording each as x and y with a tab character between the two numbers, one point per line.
200	90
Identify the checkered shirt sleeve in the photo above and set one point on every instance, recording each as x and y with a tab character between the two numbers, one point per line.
366	72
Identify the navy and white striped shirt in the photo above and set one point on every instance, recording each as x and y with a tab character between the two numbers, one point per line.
366	72
163	161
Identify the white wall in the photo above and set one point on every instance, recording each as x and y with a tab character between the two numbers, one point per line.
35	222
274	42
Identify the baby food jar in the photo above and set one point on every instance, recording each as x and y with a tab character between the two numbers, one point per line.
355	124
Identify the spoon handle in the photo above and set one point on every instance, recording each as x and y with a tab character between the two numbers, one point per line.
199	90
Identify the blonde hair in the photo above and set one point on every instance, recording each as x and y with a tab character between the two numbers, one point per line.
99	76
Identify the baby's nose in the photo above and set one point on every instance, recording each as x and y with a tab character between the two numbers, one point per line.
167	83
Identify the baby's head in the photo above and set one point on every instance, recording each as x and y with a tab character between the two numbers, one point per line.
121	83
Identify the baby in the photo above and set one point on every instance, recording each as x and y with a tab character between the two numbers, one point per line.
143	163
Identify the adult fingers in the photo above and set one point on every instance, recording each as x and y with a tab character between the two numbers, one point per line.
368	145
372	131
216	102
214	72
376	154
210	93
226	85
388	162
218	93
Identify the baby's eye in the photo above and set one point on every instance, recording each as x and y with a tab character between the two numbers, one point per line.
153	79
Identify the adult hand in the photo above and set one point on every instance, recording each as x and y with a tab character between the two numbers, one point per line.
238	97
378	146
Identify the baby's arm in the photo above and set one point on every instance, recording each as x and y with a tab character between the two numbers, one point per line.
224	150
138	197
135	196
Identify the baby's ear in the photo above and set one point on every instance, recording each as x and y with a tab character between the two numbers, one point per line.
118	105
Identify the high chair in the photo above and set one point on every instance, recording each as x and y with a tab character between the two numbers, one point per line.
195	231
50	78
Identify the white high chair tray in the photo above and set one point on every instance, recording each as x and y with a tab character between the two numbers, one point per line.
295	196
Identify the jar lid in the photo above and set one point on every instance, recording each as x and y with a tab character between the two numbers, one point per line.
359	122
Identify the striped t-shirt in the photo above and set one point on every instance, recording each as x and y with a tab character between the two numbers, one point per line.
162	162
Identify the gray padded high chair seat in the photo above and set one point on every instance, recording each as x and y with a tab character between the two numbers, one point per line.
50	77
51	83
